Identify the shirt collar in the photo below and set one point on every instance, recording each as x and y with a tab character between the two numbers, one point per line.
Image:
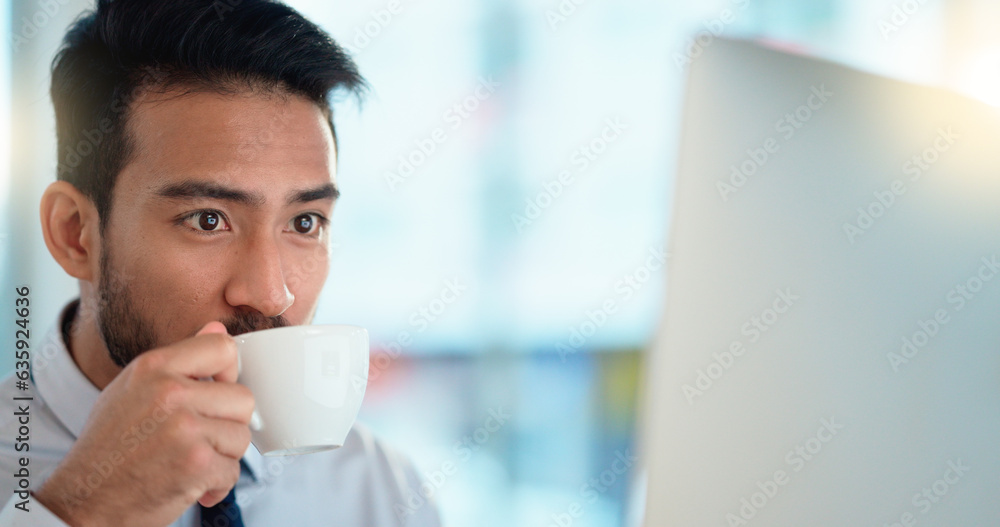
70	394
253	462
63	387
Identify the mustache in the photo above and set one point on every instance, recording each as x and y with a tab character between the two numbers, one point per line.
247	321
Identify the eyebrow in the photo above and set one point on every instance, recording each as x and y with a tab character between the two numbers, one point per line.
328	191
198	189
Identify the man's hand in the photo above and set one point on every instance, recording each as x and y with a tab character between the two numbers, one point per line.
158	438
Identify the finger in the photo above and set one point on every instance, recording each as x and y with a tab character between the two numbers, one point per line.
228	438
212	327
212	498
204	355
220	400
223	474
219	327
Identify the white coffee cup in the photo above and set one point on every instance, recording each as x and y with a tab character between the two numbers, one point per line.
308	383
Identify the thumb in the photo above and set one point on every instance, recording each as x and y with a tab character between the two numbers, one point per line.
212	498
231	373
212	327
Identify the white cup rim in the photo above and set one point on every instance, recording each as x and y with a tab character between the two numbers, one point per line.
298	328
242	337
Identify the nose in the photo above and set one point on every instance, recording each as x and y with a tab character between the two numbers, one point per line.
258	280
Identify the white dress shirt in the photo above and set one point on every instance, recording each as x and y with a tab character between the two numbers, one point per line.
362	484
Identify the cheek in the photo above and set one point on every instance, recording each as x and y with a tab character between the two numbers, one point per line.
173	279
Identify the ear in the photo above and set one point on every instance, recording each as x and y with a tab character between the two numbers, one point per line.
70	225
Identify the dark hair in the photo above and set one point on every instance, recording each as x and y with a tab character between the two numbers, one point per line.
111	54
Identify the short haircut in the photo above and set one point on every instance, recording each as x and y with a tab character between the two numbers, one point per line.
109	55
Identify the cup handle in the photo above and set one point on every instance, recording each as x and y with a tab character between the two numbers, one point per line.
255	421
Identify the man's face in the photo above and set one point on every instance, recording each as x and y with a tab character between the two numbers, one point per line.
220	215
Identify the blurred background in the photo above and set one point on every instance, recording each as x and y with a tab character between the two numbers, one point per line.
506	204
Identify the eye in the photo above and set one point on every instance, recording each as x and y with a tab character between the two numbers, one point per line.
308	224
207	221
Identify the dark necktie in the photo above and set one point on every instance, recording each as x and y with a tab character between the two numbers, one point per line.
223	514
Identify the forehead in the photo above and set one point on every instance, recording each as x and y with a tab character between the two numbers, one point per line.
262	142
